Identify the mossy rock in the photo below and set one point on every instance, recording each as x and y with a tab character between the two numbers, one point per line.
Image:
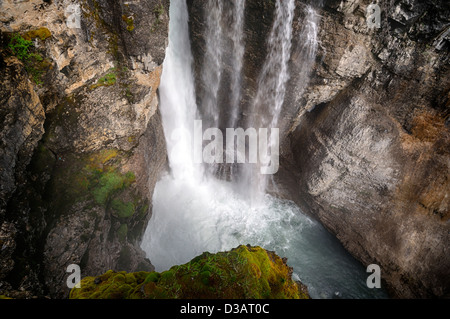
129	21
243	273
93	177
109	79
23	48
122	232
41	33
122	209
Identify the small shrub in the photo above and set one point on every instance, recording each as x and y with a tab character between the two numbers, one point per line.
122	209
20	47
34	63
107	80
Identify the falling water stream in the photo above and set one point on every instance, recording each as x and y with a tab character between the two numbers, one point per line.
194	212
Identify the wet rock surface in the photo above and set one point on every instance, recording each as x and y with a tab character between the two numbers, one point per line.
82	195
371	157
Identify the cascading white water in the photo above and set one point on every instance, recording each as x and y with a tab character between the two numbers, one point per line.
177	95
274	76
224	24
195	212
269	99
305	53
237	36
212	66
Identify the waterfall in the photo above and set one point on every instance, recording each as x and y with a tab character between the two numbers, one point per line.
223	30
269	99
224	26
195	212
237	36
212	66
177	95
305	52
274	76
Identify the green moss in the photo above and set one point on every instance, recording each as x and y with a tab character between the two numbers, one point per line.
92	11
152	277
158	11
129	21
110	182
22	47
41	33
93	178
107	80
143	211
122	209
244	272
99	159
113	44
100	179
122	232
115	75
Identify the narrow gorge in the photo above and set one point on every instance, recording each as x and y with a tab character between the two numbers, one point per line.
100	104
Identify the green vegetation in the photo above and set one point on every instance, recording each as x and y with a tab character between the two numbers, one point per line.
91	181
115	75
158	11
22	47
94	177
122	232
122	209
109	79
101	180
108	182
41	33
118	74
244	272
129	20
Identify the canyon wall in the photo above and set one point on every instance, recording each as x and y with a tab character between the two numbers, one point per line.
371	157
82	140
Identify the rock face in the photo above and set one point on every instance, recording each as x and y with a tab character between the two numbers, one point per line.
244	272
371	158
83	194
22	116
22	119
365	137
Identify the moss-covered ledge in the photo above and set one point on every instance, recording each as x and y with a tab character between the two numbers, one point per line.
245	272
